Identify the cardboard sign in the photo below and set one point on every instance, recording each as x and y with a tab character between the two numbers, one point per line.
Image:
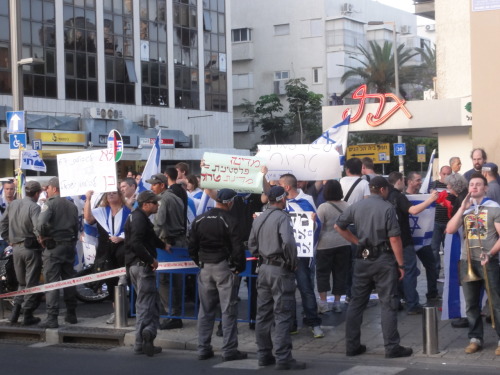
240	173
80	172
303	231
306	162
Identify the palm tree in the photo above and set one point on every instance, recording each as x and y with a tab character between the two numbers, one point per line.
377	68
426	71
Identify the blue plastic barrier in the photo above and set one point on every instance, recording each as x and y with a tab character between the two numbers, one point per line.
181	255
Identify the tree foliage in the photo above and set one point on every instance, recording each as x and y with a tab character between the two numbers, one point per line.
377	68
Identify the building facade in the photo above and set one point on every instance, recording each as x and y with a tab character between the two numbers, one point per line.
283	39
132	65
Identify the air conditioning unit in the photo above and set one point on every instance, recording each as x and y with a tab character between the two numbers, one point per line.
149	121
405	29
105	113
430	27
4	138
279	87
346	8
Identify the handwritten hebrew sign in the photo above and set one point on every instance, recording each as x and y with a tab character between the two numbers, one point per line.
307	162
241	173
303	231
88	170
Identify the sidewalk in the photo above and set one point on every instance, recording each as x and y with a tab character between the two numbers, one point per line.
452	341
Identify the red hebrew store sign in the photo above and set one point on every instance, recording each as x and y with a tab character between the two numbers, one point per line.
377	118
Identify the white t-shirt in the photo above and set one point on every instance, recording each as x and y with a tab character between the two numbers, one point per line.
360	191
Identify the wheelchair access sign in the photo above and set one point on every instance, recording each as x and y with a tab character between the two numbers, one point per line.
16	142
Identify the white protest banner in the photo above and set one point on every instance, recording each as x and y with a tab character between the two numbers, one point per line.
303	231
306	162
80	172
240	173
32	160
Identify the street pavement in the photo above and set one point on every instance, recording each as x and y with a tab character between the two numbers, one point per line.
452	341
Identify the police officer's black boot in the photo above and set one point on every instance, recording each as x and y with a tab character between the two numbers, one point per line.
71	316
14	316
29	319
51	322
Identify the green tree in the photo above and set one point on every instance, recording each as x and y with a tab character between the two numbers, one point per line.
304	113
426	71
377	68
267	114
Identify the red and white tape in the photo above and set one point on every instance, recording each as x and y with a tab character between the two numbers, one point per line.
94	277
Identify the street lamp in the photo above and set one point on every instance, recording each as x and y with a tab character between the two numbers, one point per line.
396	74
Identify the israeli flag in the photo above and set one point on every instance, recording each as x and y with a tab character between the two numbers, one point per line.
422	224
153	166
337	134
31	160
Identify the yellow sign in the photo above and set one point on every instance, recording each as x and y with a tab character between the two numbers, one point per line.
59	137
380	154
421	158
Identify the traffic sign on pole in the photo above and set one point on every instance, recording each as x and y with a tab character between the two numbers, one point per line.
399	149
15	121
380	154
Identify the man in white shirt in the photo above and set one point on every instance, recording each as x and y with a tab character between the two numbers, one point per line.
353	185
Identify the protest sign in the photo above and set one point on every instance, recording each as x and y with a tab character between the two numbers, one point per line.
31	160
306	162
80	172
303	231
240	173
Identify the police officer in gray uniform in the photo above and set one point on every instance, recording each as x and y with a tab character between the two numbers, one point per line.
58	230
379	256
272	240
141	261
215	245
18	227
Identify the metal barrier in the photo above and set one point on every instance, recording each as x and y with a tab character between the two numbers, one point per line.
179	255
120	306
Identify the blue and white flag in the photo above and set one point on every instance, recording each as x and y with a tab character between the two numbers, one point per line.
422	224
153	166
337	134
428	177
31	160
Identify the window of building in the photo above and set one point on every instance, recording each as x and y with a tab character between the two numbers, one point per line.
187	85
118	47
311	28
281	75
317	75
5	66
242	35
80	56
153	34
283	29
214	48
38	38
242	81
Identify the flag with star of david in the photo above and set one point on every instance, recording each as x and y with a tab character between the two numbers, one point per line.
422	224
337	135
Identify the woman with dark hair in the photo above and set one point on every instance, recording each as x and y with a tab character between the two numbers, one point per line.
110	216
334	252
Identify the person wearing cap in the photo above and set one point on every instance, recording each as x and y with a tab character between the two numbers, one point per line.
169	225
215	246
58	228
18	227
141	242
271	239
404	209
490	172
378	259
298	201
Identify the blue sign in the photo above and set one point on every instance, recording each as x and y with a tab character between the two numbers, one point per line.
399	149
17	141
15	121
36	144
420	149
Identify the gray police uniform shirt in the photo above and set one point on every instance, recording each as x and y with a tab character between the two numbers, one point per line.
19	220
375	220
271	236
58	219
